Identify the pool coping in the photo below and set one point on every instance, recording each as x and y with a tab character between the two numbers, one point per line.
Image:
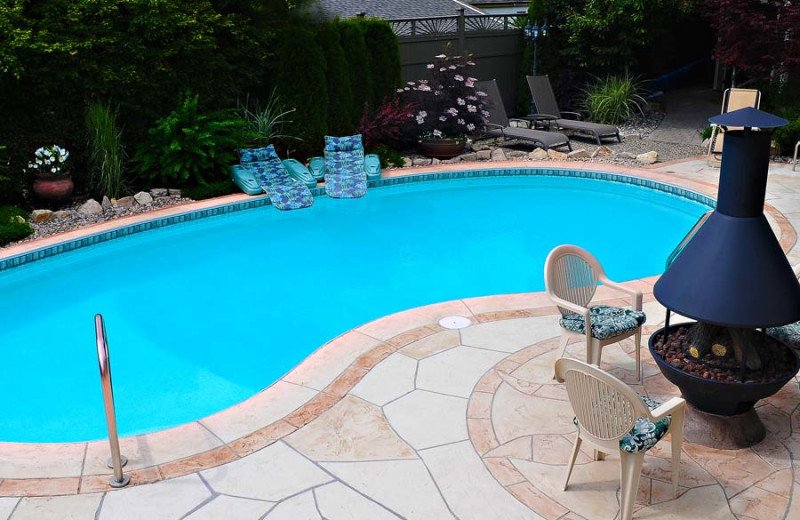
325	377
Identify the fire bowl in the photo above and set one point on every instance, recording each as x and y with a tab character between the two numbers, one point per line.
718	397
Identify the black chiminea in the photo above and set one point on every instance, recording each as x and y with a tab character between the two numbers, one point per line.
733	278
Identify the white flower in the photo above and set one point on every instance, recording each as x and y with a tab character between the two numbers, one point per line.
442	117
452	111
420	120
471	63
437	133
452	67
470	127
422	113
472	98
53	170
442	69
472	108
430	65
481	93
424	88
461	101
441	56
399	91
461	121
458	77
470	82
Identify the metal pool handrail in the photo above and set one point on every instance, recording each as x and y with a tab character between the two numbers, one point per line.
116	461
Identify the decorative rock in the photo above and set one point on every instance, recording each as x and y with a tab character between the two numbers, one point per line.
421	161
602	151
18	219
556	155
143	198
624	156
41	215
516	154
540	154
177	193
64	213
126	202
481	147
90	207
484	155
159	192
469	157
106	204
498	155
578	154
647	158
632	137
435	161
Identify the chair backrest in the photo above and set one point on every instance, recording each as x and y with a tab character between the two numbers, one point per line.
606	408
497	111
572	273
734	99
543	96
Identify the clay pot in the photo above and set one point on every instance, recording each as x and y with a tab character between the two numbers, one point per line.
441	148
53	188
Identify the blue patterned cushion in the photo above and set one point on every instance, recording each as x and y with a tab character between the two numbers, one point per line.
290	196
789	334
343	144
348	187
607	321
248	155
645	433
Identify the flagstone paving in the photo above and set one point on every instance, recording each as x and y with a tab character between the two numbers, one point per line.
403	418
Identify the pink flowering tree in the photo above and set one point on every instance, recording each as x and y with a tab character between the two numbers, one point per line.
448	104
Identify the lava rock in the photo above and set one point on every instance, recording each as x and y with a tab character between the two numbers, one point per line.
143	198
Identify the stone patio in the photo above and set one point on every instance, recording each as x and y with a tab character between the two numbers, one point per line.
405	418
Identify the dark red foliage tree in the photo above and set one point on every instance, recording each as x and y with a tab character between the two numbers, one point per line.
760	37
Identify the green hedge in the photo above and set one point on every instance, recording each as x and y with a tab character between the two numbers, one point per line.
11	229
384	59
340	92
358	60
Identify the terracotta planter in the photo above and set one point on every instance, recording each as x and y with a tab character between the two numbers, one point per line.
441	148
53	188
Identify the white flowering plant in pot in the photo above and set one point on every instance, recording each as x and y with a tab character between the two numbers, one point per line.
49	161
449	106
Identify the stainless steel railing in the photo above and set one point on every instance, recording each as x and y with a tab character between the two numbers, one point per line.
117	460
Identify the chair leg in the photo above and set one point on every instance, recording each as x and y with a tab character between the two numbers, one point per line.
676	433
593	354
619	139
597	138
575	450
630	470
638	342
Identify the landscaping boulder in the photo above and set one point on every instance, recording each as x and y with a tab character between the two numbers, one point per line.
126	202
632	137
647	158
435	161
579	154
143	198
64	213
498	155
540	154
516	154
174	192
469	157
90	207
41	215
106	203
484	155
556	155
421	161
602	151
159	192
624	156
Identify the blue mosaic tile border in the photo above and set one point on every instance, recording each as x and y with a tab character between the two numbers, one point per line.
38	254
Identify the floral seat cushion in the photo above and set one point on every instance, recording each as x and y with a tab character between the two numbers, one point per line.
789	334
249	155
607	321
343	144
645	433
345	187
284	191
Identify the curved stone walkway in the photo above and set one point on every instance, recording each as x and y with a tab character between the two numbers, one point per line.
404	418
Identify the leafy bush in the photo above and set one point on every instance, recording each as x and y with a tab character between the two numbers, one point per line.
299	77
389	156
337	72
11	229
188	147
209	191
384	59
786	137
706	133
358	61
106	154
266	123
614	100
390	124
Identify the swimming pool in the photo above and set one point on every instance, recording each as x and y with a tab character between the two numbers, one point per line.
204	314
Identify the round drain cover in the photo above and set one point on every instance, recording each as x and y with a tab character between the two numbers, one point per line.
454	322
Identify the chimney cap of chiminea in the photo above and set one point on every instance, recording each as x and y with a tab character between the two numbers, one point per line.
748	117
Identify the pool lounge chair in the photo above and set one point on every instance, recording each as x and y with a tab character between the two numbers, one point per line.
499	123
345	172
732	99
263	168
547	109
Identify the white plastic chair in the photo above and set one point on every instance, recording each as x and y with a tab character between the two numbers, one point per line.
732	99
571	275
612	417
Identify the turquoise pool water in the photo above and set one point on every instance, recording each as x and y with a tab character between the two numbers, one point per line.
204	314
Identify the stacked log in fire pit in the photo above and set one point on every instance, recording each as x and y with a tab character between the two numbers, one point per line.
734	279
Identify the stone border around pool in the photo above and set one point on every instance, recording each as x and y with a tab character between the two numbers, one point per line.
298	398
